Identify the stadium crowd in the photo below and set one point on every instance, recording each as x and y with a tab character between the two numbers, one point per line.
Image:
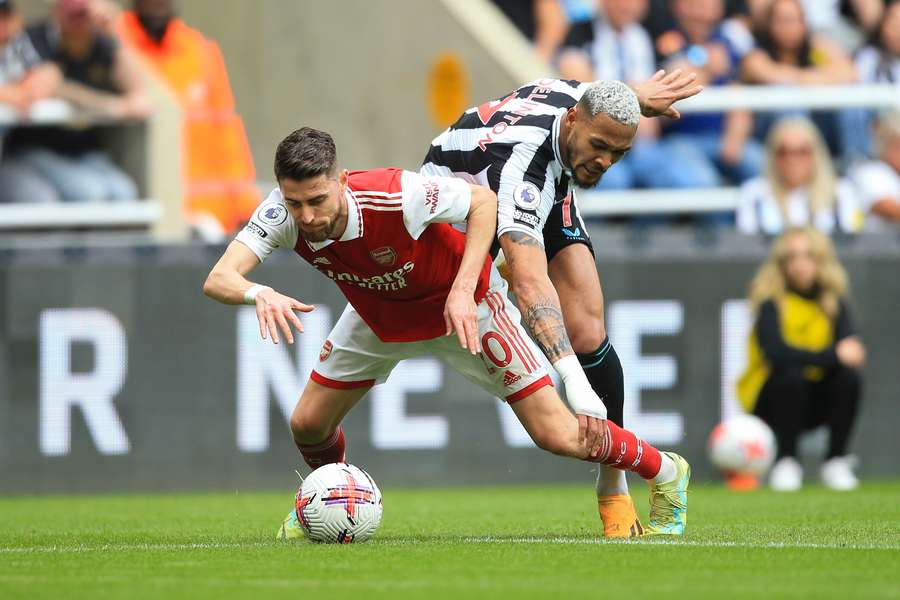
837	169
96	57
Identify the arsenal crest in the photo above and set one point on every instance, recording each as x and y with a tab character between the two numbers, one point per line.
325	352
384	256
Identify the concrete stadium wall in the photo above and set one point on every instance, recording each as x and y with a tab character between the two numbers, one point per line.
117	374
357	69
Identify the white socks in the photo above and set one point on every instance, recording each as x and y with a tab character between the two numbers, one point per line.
611	482
667	469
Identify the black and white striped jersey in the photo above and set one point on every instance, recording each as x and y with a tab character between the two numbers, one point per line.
512	146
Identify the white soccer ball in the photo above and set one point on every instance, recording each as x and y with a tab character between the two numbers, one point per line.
339	504
743	444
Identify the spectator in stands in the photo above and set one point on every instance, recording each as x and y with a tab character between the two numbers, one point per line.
804	356
543	22
878	62
24	79
704	147
788	54
847	22
799	186
101	79
611	46
879	181
659	18
220	185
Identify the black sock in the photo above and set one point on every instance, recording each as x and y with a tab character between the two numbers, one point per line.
604	371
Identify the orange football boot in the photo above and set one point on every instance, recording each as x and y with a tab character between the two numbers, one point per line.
619	517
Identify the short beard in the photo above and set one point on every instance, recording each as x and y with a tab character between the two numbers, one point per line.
573	170
317	237
584	185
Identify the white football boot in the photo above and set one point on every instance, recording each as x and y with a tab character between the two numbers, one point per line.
837	474
786	475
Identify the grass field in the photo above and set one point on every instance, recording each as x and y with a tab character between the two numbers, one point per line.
516	542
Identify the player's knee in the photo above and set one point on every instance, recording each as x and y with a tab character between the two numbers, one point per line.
586	332
308	429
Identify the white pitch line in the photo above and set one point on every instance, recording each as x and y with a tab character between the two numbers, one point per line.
469	540
675	542
128	547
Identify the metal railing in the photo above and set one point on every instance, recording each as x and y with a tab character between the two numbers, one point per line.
722	99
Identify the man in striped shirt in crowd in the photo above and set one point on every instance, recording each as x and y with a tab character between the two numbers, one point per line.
533	147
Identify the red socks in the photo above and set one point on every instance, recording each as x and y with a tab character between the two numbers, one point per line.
621	449
329	451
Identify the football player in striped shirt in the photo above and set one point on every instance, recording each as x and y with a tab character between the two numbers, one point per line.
384	236
534	147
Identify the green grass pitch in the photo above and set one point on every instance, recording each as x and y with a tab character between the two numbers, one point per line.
503	542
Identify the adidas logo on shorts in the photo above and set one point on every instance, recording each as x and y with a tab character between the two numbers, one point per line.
510	378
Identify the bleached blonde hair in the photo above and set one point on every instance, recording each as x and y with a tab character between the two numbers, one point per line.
770	282
613	98
822	188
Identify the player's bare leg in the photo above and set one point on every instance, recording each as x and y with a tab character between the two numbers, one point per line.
315	422
317	431
555	429
574	275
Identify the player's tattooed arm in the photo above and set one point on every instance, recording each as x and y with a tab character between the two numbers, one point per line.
522	239
544	320
535	294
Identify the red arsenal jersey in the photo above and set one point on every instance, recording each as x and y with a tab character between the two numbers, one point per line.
398	256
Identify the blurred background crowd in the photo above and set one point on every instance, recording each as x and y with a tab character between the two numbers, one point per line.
836	169
95	57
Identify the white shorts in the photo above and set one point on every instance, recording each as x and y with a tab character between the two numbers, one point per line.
509	365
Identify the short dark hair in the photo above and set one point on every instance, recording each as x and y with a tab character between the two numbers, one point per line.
305	153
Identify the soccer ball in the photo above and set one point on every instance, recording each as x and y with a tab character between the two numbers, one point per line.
339	504
743	444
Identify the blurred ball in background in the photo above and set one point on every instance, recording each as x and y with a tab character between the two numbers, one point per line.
742	448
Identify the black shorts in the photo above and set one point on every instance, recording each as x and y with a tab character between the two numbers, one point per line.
564	227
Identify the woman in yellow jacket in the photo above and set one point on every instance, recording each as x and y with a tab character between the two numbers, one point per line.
804	355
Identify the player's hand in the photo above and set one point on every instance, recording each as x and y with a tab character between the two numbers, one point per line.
587	406
276	311
460	316
590	433
660	92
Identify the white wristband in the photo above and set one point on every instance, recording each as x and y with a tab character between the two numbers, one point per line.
254	290
581	396
568	368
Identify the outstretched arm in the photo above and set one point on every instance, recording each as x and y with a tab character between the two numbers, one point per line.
227	284
535	294
460	310
542	315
